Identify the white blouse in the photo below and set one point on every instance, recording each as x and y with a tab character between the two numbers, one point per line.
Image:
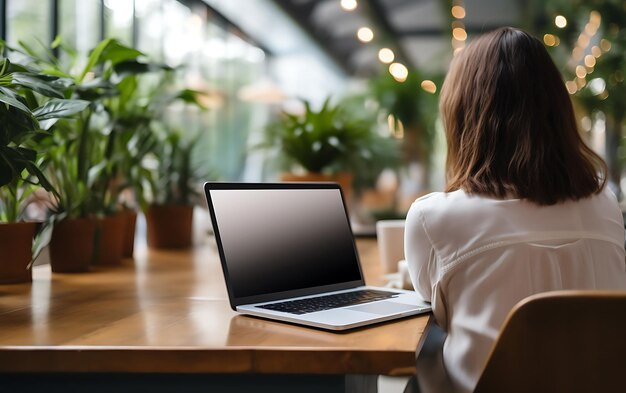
476	257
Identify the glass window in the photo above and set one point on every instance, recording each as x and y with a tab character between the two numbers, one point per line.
79	24
149	19
179	38
118	19
28	21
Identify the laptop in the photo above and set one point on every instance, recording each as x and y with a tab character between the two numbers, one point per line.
288	254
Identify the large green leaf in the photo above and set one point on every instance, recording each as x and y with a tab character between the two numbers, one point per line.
55	72
109	50
59	108
38	84
13	160
96	89
16	125
6	80
5	66
6	174
10	98
94	58
190	96
133	67
26	155
117	53
32	168
14	67
127	88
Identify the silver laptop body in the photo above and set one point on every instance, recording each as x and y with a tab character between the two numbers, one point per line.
283	245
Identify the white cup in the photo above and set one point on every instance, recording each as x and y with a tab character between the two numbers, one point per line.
390	234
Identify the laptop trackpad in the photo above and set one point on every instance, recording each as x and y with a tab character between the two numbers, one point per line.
383	308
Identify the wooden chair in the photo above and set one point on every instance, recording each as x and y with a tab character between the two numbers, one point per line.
564	341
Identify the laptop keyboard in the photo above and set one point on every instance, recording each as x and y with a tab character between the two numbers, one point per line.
327	302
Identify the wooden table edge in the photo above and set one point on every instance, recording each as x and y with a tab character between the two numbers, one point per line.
190	360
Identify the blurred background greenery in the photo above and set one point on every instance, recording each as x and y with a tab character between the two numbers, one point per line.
278	82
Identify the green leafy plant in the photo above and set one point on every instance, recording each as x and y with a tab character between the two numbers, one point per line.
99	153
330	140
414	112
176	176
143	100
85	153
31	102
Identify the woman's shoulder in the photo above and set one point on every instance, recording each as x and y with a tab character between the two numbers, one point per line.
602	205
438	210
450	202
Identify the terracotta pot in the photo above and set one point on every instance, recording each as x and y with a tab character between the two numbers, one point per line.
72	245
16	245
129	232
110	239
343	178
169	226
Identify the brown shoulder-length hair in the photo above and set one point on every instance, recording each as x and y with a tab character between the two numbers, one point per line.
510	124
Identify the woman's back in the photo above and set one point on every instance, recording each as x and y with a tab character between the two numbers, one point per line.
476	251
477	257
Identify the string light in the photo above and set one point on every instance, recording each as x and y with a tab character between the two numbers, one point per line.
571	87
458	11
578	53
365	34
560	21
595	18
596	51
398	71
456	44
549	39
349	5
459	34
583	40
591	29
429	86
597	86
386	55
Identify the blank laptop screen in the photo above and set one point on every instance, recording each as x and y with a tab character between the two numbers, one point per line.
284	239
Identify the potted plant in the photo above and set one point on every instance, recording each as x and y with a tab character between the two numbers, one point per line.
31	101
325	145
169	217
375	196
144	97
84	155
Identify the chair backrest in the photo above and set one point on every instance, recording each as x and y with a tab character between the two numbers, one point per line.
563	341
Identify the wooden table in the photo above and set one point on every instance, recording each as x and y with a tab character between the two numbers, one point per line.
168	312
